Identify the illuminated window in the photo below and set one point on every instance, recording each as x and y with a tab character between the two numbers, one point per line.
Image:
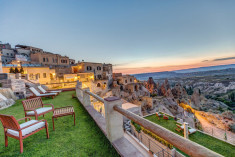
44	75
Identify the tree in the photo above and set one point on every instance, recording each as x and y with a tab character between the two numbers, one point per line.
12	70
16	70
21	70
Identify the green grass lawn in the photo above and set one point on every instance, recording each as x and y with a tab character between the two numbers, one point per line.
84	139
212	143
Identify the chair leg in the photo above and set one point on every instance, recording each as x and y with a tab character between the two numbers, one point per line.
53	123
47	132
74	118
6	141
26	118
21	145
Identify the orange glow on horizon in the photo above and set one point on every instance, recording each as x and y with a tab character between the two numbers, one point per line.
149	69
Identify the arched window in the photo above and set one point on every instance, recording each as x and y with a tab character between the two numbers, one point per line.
88	68
98	85
98	68
130	79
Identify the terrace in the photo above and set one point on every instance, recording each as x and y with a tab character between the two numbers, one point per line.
205	140
84	139
96	134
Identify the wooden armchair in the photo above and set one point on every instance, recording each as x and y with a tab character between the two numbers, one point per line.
165	117
34	107
21	131
158	115
179	128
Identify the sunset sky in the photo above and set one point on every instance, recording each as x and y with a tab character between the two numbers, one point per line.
135	36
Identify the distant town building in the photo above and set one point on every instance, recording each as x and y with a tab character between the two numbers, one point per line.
72	61
125	79
42	75
84	67
101	71
0	63
49	59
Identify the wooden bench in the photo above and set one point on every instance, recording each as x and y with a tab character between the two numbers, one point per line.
63	111
34	107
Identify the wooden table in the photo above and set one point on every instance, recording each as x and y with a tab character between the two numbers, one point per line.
63	111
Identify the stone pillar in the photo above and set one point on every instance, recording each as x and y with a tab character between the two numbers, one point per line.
79	93
185	130
114	120
86	97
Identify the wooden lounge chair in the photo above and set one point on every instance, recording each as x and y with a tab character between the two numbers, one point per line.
37	94
21	131
45	92
35	107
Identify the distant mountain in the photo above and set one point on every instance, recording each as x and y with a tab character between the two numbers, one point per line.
218	67
202	71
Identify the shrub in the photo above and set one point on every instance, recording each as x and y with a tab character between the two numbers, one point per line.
16	70
137	126
12	70
159	139
21	70
232	127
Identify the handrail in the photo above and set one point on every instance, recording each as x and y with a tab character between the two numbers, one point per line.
95	96
189	147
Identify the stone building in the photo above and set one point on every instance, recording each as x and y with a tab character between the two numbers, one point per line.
72	61
42	75
107	71
0	63
125	79
87	67
8	54
49	59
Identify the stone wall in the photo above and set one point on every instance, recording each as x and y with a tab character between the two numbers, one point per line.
16	85
8	93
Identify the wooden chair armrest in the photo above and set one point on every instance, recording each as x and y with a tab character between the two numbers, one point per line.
50	105
24	118
43	120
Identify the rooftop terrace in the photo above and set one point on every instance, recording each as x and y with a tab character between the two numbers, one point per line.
205	140
84	139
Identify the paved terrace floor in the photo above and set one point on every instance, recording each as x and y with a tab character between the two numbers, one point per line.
212	143
84	139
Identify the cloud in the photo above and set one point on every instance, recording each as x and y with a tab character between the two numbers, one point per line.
205	60
224	59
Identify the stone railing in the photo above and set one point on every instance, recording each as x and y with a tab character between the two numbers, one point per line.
112	126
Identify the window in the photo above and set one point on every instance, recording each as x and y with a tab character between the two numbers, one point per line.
98	85
130	79
44	75
125	81
8	54
88	68
47	59
44	59
99	76
98	68
38	75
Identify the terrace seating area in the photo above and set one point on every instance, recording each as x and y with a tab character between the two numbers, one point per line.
83	139
205	140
